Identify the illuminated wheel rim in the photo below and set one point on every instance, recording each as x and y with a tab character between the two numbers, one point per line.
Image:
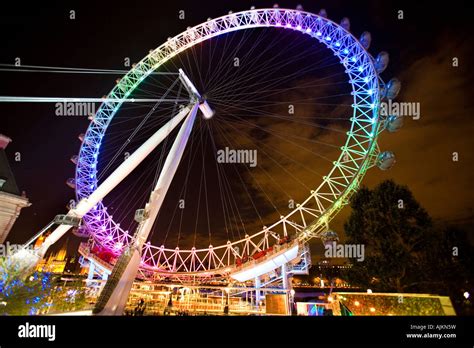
311	217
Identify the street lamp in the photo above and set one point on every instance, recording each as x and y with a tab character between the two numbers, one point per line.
466	295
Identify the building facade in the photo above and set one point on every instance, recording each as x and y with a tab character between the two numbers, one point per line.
11	200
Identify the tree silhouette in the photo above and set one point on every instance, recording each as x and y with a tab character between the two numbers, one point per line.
20	295
404	252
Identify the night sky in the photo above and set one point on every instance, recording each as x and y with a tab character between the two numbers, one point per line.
421	48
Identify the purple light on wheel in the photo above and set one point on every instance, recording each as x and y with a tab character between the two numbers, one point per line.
109	233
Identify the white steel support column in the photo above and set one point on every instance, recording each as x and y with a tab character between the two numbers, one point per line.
90	275
119	293
284	276
286	286
164	181
115	178
257	291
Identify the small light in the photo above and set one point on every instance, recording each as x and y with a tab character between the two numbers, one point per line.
366	79
278	24
308	30
353	59
338	44
346	51
372	309
318	33
372	105
369	291
357	303
328	38
370	92
361	68
288	25
466	295
330	299
298	27
373	120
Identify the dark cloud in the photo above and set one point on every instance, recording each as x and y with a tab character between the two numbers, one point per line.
424	147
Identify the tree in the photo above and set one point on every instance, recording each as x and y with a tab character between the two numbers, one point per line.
394	230
68	298
404	251
20	295
451	262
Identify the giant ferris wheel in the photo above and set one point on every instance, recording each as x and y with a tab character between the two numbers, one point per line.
181	77
225	150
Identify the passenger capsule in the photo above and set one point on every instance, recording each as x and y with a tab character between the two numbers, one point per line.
386	160
381	62
71	182
346	24
81	231
393	88
329	236
394	123
366	39
323	13
81	137
74	159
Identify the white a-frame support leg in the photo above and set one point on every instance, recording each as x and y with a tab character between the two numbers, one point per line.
108	185
169	169
31	259
113	297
